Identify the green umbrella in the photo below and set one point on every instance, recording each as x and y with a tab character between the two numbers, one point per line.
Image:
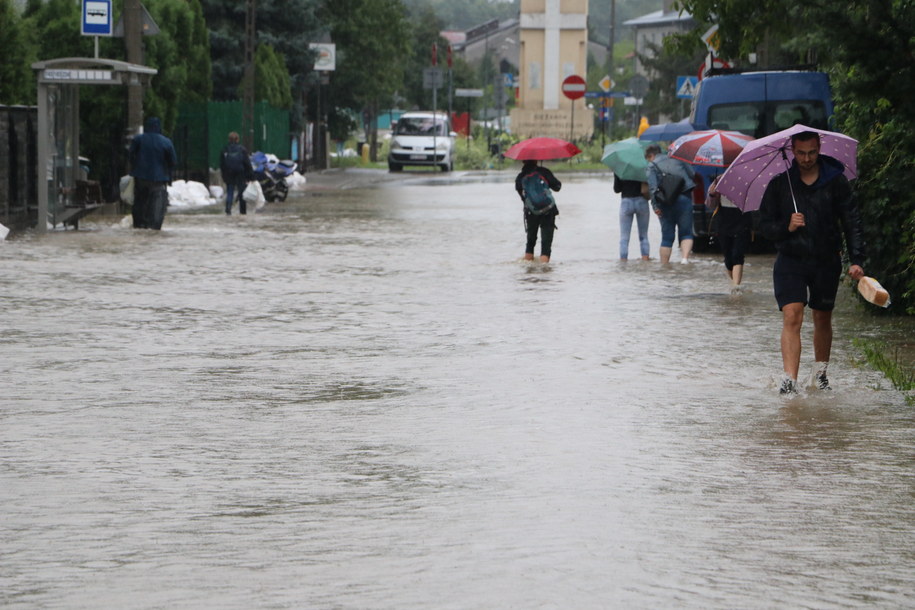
627	158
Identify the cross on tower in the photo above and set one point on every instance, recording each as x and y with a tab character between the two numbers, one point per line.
552	21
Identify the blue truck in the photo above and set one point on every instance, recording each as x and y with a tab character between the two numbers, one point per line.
757	103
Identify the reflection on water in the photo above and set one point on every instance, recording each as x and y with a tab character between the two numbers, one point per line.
365	399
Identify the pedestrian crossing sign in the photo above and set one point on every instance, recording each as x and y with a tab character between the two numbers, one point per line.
686	86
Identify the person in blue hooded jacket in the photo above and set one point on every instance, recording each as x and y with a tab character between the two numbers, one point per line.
806	211
152	161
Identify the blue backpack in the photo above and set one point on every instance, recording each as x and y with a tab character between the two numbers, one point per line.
538	198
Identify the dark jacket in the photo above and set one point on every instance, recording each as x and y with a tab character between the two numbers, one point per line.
554	183
231	174
829	210
152	155
627	188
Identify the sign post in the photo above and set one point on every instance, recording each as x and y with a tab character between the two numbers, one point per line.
325	63
96	20
638	86
573	87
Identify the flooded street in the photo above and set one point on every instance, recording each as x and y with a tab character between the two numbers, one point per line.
363	398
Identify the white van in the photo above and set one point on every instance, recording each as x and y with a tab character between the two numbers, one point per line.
422	138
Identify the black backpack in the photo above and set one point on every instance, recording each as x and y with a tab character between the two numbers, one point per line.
235	160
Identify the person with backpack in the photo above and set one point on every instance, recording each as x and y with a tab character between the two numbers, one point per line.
235	167
674	210
535	184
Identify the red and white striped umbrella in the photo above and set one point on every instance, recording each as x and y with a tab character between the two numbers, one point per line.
711	147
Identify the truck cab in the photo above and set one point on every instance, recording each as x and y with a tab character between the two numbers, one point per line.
757	103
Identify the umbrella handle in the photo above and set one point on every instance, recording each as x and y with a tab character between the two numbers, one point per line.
788	178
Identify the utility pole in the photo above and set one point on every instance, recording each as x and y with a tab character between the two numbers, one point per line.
612	38
133	45
610	69
250	41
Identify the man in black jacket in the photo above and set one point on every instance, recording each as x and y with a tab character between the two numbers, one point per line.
235	167
805	211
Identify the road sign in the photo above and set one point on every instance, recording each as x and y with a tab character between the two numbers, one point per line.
468	92
326	58
711	39
638	85
432	78
711	63
686	86
606	94
574	87
96	18
606	83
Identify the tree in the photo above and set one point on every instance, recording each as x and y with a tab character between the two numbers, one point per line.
271	80
175	51
179	51
55	24
871	62
426	28
17	81
372	38
288	26
677	56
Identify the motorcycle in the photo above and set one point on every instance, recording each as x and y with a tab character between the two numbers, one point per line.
271	173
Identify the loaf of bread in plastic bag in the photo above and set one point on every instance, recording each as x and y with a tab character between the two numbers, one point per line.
873	292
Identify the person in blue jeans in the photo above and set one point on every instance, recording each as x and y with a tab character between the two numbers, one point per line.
635	205
677	218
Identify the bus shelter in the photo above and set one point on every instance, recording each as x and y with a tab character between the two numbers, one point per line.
63	195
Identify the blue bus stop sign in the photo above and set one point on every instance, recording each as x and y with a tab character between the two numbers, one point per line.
96	18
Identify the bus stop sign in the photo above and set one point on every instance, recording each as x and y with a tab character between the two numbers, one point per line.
96	18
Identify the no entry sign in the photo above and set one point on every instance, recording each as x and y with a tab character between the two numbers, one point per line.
574	87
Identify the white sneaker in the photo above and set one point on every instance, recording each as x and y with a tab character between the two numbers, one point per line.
788	387
820	381
684	261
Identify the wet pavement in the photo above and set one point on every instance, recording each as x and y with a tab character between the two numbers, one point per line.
362	398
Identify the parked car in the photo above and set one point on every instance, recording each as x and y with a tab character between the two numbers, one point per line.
422	138
757	103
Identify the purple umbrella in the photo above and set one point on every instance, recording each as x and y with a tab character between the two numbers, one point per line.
745	181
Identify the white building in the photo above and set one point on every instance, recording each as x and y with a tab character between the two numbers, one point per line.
651	29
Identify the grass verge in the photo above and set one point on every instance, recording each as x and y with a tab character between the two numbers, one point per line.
878	355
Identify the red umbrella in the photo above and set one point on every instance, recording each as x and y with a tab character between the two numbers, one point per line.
542	149
711	147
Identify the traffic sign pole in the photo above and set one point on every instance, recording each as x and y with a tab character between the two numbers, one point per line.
573	87
572	124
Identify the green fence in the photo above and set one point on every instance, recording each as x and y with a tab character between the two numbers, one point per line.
203	128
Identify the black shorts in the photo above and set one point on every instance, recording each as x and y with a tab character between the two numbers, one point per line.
796	280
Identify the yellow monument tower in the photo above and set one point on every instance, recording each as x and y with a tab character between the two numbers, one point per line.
554	45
